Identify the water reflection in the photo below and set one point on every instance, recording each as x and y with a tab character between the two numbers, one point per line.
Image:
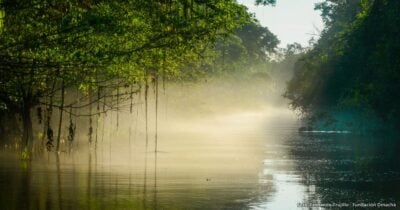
348	168
252	160
323	168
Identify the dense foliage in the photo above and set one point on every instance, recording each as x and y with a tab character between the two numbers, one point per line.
352	73
105	51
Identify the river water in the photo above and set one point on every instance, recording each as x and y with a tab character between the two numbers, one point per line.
241	160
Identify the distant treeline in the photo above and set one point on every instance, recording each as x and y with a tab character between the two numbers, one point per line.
350	78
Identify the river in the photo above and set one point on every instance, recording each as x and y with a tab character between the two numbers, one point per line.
242	160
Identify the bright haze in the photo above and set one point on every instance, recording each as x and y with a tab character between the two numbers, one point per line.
291	20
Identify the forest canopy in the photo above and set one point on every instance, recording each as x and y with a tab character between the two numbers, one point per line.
352	73
109	50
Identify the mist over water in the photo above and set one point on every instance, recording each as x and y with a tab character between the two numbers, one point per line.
219	146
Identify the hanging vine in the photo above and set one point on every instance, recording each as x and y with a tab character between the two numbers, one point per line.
118	101
131	98
146	92
71	128
39	114
49	132
156	128
90	134
61	115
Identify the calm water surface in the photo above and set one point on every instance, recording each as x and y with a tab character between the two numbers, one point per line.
244	160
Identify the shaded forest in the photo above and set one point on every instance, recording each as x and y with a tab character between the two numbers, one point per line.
62	60
349	78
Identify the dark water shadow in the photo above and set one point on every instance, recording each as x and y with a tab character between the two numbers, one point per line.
348	168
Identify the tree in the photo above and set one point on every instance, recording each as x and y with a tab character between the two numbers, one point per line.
98	47
352	67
